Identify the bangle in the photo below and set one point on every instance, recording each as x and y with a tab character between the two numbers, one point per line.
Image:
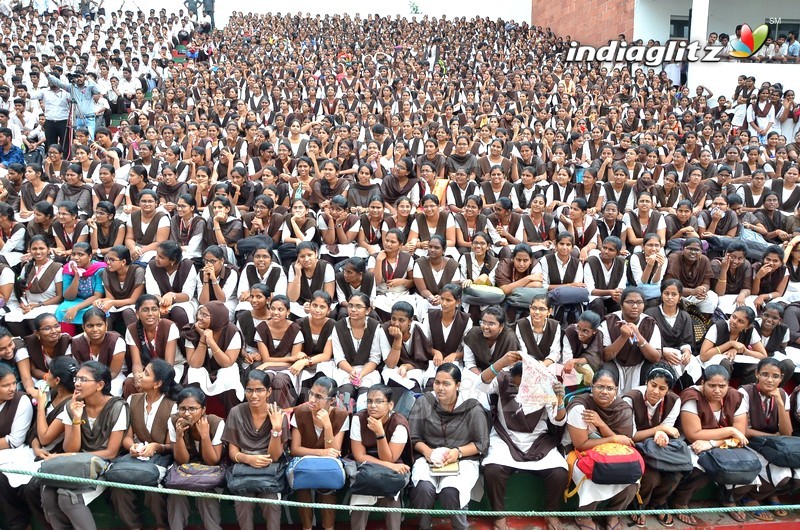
719	352
561	407
381	437
236	458
491	367
78	421
329	440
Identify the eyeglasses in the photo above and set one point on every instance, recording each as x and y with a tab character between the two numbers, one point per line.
259	390
210	261
317	397
378	402
539	309
693	250
634	302
83	380
48	329
357	306
109	259
190	410
603	388
488	323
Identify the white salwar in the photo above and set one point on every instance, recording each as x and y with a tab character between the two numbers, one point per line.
16	315
717	358
770	473
228	378
691	406
629	376
189	288
467	482
500	454
589	491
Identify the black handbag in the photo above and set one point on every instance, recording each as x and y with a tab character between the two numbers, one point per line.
244	480
735	467
783	451
675	457
128	469
378	481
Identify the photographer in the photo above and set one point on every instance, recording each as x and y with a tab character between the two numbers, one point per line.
81	94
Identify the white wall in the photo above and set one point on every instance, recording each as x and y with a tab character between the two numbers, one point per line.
519	10
651	18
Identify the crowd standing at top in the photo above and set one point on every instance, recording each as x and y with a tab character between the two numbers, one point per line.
306	217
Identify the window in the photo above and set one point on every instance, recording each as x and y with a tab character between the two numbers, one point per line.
678	27
782	26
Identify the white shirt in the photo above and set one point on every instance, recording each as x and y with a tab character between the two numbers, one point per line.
655	339
543	268
591	283
21	423
670	419
555	346
217	440
399	436
338	351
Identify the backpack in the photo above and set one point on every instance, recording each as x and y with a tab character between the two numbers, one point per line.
735	466
608	463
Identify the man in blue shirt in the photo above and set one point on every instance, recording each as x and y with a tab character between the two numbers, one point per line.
9	153
793	50
81	94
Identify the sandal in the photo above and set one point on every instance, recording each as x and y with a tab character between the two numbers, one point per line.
763	515
686	518
737	515
553	523
779	512
666	519
580	523
640	520
615	526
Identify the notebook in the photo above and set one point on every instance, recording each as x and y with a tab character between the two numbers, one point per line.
449	470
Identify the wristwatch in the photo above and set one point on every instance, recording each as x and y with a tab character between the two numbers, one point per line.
276	434
460	454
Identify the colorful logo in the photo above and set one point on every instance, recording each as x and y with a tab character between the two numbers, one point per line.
750	41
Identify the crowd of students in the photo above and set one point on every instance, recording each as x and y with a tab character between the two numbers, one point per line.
311	226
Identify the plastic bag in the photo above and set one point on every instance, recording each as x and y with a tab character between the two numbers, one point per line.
536	387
